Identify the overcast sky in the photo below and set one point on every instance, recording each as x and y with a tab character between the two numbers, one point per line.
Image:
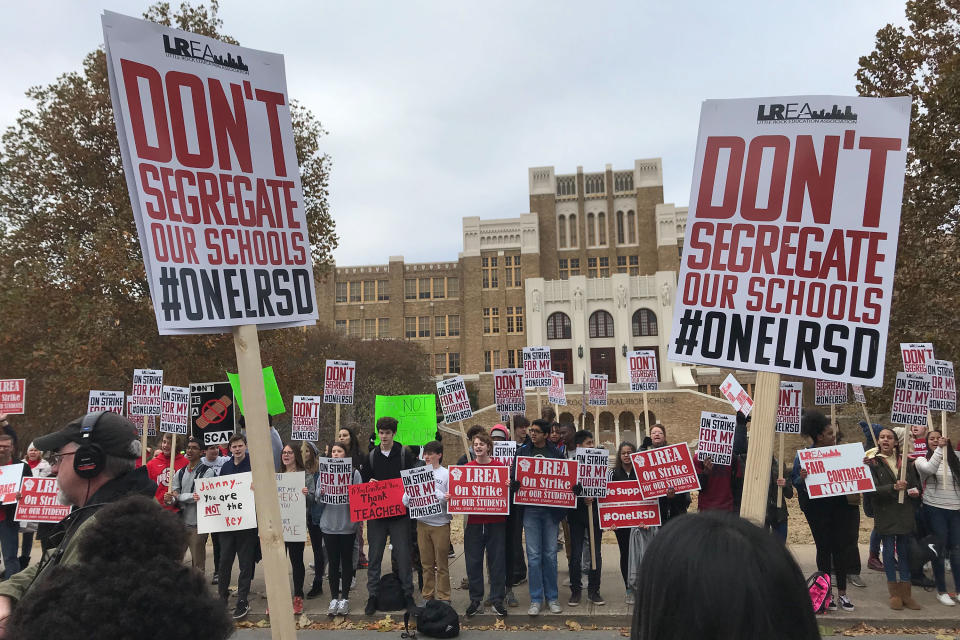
435	110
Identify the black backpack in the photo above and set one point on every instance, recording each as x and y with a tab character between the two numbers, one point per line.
390	594
436	620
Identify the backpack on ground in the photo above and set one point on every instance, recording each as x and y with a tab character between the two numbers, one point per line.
818	585
435	620
390	594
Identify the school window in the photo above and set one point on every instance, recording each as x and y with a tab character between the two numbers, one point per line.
410	327
410	289
514	319
341	292
602	228
453	362
383	328
453	287
440	326
591	267
514	358
634	265
423	327
341	327
383	290
438	288
488	269
369	328
604	267
439	364
621	264
491	360
453	326
369	290
512	271
491	320
353	328
424	286
355	291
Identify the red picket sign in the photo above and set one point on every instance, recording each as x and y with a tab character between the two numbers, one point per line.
625	516
480	489
546	482
375	500
663	468
38	502
622	492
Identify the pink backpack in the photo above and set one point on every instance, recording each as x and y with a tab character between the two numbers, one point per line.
818	585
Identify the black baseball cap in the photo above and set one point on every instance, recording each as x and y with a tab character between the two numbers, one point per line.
112	432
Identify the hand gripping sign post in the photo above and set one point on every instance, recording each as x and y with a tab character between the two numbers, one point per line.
592	465
911	398
174	417
536	369
305	422
105	401
455	404
338	383
144	401
836	471
209	156
788	421
790	248
643	377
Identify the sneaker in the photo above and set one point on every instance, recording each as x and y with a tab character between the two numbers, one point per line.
313	567
845	603
343	609
332	609
520	581
596	598
574	600
241	611
216	578
946	600
833	603
630	598
315	590
452	553
371	607
855	580
534	609
297	605
554	607
475	607
499	609
511	599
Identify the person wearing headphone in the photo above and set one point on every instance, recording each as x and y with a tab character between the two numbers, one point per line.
95	461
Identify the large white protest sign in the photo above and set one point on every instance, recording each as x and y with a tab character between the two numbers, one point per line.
146	394
915	356
305	418
226	503
211	167
105	401
789	406
557	394
736	395
293	505
716	437
338	381
454	400
508	392
943	386
536	367
334	476
504	452
175	411
139	420
791	237
420	485
10	476
643	370
592	467
911	397
836	470
829	392
598	390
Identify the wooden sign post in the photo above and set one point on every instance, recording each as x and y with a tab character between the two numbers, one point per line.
756	480
593	541
269	523
943	432
143	442
780	473
336	418
869	425
646	420
173	458
905	452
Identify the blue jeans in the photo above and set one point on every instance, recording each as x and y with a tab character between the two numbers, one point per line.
10	544
541	531
945	524
901	543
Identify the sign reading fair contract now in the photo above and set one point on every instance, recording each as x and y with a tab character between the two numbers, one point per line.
836	471
211	168
791	238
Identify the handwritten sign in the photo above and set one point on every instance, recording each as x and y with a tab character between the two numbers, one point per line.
105	401
376	500
836	471
416	416
592	467
830	392
480	489
147	393
175	411
226	503
662	468
789	406
338	381
557	394
546	482
508	392
39	503
305	421
420	486
911	397
643	370
536	367
598	390
736	395
454	400
13	396
334	476
293	505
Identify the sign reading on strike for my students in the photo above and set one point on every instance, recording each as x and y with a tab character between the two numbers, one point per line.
943	386
789	405
146	394
305	421
536	367
791	237
13	396
622	508
375	500
830	392
504	452
105	401
598	390
175	412
546	482
911	397
211	167
915	356
836	470
334	476
338	380
592	466
669	467
226	503
557	394
508	392
454	400
736	395
716	437
643	370
480	489
858	395
212	412
139	420
39	503
420	486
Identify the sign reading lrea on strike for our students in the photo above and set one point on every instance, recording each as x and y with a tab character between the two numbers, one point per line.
598	390
623	508
339	379
915	356
13	396
716	437
105	401
454	400
789	406
39	503
943	386
557	394
911	398
546	482
836	471
479	489
211	167
643	370
146	395
334	476
175	411
508	392
305	418
536	367
592	467
420	487
736	395
212	412
830	392
791	236
663	468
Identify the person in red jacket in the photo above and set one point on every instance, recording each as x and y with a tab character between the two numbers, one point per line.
158	469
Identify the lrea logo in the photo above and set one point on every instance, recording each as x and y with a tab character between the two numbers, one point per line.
455	474
200	52
803	112
639	460
524	465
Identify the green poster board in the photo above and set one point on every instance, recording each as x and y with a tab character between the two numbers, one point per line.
275	404
416	417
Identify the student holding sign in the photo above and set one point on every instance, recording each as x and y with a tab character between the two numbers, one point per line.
159	471
941	507
9	528
292	462
895	521
240	544
580	520
622	471
339	533
433	531
184	495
